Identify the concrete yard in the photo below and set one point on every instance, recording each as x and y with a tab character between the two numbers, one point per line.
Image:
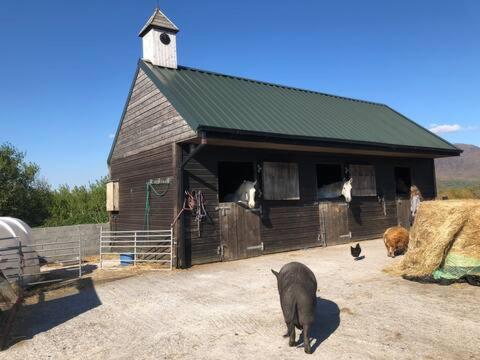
232	311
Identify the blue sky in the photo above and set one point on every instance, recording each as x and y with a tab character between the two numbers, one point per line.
66	66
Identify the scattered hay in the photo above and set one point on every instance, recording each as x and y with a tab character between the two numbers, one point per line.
441	228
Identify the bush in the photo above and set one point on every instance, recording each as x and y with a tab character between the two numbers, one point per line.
23	195
79	205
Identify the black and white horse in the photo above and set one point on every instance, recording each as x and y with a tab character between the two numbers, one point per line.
245	194
335	190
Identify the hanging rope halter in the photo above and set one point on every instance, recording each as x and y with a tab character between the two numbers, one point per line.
195	202
189	204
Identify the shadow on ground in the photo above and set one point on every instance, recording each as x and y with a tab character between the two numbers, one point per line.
68	274
45	314
327	320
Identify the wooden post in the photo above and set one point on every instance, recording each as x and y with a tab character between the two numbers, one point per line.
101	237
80	257
178	186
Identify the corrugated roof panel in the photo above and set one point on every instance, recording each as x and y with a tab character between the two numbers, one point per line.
206	99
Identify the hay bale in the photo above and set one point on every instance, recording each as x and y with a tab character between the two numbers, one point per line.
441	228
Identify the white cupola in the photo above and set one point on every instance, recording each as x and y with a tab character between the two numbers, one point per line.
159	36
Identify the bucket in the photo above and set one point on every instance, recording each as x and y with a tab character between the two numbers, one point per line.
126	259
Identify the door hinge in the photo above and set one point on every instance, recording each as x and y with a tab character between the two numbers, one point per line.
349	235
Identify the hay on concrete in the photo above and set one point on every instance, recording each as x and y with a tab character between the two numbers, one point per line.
441	228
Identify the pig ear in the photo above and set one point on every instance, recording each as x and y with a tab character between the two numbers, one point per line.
275	273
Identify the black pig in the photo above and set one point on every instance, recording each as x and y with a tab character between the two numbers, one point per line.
297	287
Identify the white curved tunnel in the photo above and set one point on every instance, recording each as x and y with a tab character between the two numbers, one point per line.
17	256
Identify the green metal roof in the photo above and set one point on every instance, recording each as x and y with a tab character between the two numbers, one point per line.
216	101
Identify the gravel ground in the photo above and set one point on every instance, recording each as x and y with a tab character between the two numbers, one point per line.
231	310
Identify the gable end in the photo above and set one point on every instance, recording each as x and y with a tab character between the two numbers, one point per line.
148	120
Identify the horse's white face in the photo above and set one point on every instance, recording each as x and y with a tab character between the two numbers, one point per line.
347	191
251	197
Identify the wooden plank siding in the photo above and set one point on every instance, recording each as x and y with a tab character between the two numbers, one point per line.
367	218
201	175
150	121
143	150
133	172
294	224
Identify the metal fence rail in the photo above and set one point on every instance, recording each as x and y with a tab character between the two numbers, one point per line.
143	246
65	256
46	262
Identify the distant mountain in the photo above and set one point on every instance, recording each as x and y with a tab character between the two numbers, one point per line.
464	167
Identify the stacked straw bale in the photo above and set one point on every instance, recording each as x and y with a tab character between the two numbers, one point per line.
441	228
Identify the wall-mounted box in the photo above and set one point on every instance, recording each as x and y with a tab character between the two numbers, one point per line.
113	188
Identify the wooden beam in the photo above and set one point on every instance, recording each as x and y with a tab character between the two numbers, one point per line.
178	204
309	148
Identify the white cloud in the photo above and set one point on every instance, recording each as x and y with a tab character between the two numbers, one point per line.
445	128
111	136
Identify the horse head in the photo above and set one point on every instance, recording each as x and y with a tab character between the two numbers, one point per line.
245	194
347	190
250	193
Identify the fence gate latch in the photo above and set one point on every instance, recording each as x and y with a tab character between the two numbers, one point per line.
257	247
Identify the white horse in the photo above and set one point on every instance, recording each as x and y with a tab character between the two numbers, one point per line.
245	194
335	190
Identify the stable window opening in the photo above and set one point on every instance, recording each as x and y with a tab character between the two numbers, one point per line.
329	181
403	180
231	175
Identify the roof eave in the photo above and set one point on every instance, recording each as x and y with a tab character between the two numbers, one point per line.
146	29
132	86
262	136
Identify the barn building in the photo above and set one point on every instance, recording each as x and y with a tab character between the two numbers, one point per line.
185	129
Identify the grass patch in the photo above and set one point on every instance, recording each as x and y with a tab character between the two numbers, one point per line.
459	189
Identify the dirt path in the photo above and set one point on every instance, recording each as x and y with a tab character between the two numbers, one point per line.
231	310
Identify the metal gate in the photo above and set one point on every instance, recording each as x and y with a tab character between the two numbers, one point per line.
41	263
137	247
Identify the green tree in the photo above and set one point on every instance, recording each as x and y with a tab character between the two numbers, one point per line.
79	205
22	194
